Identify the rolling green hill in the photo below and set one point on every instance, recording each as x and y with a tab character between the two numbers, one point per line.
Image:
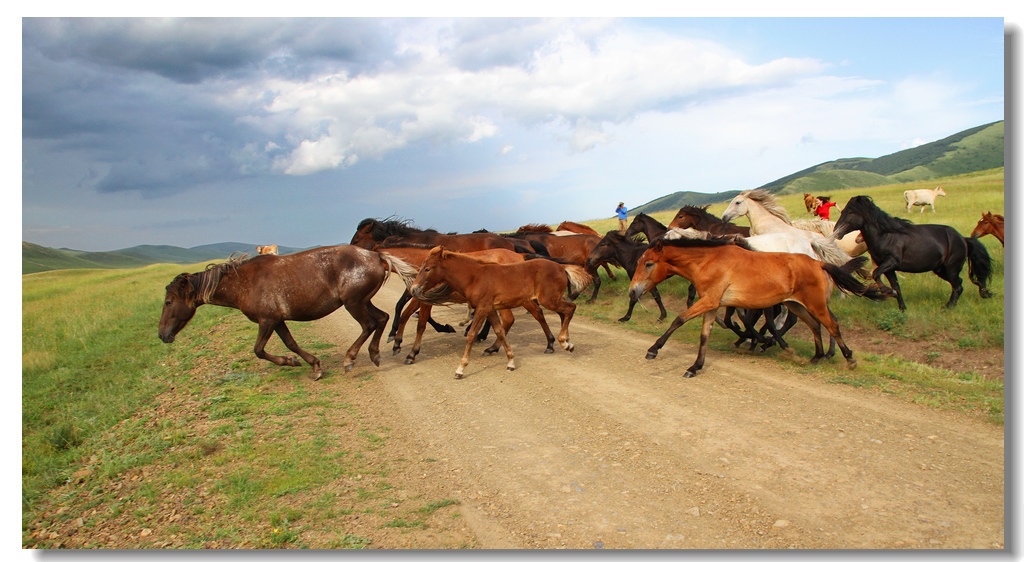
972	150
36	258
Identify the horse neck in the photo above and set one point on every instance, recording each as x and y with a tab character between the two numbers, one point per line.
217	286
687	262
458	271
762	221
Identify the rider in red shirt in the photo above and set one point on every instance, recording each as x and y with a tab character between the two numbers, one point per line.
824	208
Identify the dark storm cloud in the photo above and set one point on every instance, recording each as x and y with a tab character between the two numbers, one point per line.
193	50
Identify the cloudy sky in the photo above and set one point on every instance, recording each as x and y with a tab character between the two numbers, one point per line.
290	131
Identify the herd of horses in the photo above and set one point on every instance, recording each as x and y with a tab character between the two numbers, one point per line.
775	271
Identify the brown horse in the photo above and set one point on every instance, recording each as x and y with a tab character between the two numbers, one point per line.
490	287
577	228
272	289
732	275
443	294
989	224
566	247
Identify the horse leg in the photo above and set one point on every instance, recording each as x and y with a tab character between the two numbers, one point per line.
500	335
266	329
629	312
813	323
955	282
565	310
608	270
705	334
421	327
894	284
398	313
471	333
372	320
397	334
286	336
597	286
703	304
507	319
534	309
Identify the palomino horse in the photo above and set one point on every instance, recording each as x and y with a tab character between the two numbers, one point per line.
897	244
271	290
730	275
268	249
989	224
767	215
489	287
811	202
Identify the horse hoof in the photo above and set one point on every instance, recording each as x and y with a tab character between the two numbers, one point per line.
447	329
489	352
317	375
348	367
396	350
689	375
624	319
391	339
814	360
652	354
549	350
511	368
458	375
851	363
410	360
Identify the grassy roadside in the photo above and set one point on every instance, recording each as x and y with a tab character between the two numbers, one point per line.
115	423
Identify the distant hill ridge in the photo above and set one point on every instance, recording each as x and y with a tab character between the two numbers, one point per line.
36	258
976	149
972	150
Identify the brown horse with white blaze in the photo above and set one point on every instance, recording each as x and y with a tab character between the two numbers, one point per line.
490	287
732	275
272	289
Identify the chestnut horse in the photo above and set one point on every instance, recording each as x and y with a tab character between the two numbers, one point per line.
443	295
490	287
272	289
989	224
728	274
568	247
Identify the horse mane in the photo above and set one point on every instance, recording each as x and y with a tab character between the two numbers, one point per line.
770	203
534	227
197	288
713	242
864	206
391	226
400	242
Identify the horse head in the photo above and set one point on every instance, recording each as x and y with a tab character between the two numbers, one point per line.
180	303
737	208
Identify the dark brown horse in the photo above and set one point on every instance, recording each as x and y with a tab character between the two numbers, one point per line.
372	231
271	290
731	275
897	244
989	224
646	225
490	287
566	247
698	218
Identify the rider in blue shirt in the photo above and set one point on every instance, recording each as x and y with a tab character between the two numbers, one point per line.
622	213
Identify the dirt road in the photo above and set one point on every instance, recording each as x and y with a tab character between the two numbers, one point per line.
601	448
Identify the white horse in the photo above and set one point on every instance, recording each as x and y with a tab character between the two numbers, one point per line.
766	216
922	197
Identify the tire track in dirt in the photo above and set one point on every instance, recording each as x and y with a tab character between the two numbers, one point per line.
602	448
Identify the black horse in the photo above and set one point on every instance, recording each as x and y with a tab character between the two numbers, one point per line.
897	244
615	247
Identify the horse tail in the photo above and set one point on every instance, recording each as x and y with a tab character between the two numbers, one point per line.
843	277
579	279
979	265
392	263
827	249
